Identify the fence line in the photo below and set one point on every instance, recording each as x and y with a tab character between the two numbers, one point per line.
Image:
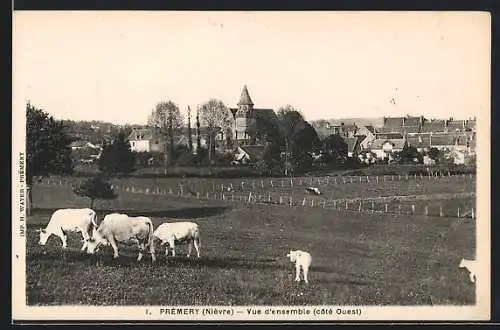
359	205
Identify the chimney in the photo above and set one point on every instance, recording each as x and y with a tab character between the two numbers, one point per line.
385	119
404	120
421	120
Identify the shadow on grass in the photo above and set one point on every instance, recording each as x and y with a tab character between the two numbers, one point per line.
180	213
129	259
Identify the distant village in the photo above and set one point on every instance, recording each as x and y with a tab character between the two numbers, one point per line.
368	143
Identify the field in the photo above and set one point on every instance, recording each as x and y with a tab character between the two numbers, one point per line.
359	258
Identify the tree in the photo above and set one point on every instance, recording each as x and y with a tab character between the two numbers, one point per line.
409	154
198	138
334	148
116	158
434	154
217	117
167	118
95	188
190	135
47	148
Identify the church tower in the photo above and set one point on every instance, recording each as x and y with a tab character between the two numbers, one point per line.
244	116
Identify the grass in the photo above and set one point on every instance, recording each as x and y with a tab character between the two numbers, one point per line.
358	258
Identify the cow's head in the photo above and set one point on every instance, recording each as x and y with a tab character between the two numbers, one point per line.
44	236
94	242
292	255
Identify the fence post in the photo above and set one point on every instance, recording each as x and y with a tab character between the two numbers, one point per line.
312	201
399	209
343	179
327	179
249	197
386	207
291	183
262	184
272	186
359	178
377	178
223	197
335	178
207	196
458	212
334	204
373	206
472	213
253	185
324	203
281	200
291	201
351	179
346	206
367	179
412	208
304	202
269	198
281	183
440	211
426	210
359	208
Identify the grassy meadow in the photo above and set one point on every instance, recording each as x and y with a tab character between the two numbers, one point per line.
358	258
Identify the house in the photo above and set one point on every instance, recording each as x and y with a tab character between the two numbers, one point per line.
421	142
249	120
353	146
434	126
385	148
368	136
80	144
405	125
147	139
248	153
460	126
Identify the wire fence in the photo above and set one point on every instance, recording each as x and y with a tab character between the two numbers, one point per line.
460	205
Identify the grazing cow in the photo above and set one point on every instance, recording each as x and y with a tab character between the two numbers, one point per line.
69	220
313	190
302	261
470	265
178	233
121	228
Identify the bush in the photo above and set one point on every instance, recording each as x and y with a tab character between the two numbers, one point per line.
95	188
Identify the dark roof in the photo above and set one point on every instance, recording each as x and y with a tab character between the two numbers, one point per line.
433	126
266	114
254	151
442	140
147	133
245	97
384	135
412	121
370	128
471	124
393	122
455	125
420	141
400	129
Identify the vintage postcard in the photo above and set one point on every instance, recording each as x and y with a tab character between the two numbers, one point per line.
251	166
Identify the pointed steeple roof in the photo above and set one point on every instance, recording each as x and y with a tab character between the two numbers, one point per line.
245	97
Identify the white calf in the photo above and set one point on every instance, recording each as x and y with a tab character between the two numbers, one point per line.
179	233
470	265
302	261
69	220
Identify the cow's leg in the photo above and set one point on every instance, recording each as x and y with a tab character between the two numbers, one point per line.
196	243
171	242
152	251
306	270
141	249
113	244
297	272
63	237
190	247
86	237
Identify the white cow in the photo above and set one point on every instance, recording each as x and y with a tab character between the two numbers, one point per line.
178	233
69	220
121	228
471	266
302	261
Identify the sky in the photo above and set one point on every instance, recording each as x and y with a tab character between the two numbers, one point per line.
116	66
